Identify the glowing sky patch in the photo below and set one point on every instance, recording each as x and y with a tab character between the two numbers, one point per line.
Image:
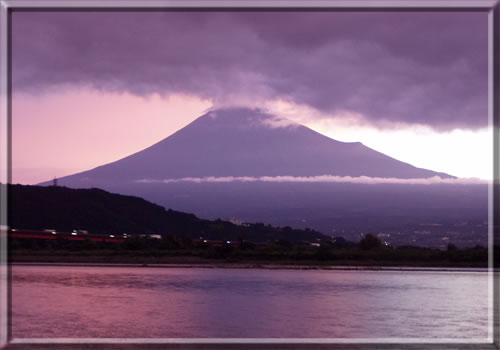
461	153
59	134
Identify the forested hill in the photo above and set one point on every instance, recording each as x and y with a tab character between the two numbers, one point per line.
98	211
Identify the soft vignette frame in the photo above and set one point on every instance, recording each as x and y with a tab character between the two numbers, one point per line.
493	340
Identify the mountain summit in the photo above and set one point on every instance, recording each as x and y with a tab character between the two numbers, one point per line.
241	142
250	165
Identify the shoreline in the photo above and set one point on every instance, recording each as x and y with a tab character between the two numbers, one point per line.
244	266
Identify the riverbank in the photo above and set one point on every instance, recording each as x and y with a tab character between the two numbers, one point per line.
262	266
151	252
358	262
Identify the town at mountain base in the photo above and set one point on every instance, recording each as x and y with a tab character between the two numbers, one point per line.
255	167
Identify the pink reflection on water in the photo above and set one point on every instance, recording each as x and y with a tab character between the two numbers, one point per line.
159	303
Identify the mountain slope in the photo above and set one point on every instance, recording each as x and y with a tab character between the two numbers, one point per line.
244	142
249	143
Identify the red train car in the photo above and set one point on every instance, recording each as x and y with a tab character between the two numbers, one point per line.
73	236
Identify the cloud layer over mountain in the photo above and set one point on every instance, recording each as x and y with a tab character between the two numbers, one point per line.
389	67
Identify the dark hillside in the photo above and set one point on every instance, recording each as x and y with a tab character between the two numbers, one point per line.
98	211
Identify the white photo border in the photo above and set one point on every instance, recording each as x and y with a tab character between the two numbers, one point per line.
492	7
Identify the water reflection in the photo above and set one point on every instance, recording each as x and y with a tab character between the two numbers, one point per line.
58	301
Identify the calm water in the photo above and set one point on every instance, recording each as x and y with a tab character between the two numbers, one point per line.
122	302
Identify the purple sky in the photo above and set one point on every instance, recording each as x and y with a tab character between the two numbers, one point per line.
425	67
391	70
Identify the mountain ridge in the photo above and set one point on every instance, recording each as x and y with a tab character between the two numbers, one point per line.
247	142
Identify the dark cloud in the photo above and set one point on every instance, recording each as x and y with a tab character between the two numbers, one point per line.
416	67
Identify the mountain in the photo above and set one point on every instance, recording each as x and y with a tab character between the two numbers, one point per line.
242	142
214	167
64	209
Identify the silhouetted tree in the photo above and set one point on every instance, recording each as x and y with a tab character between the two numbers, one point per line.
370	241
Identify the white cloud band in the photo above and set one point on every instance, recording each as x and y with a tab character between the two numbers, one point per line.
318	179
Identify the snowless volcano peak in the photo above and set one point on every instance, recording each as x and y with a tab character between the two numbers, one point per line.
243	142
242	117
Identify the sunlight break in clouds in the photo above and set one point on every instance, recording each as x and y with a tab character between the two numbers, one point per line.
320	179
459	152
